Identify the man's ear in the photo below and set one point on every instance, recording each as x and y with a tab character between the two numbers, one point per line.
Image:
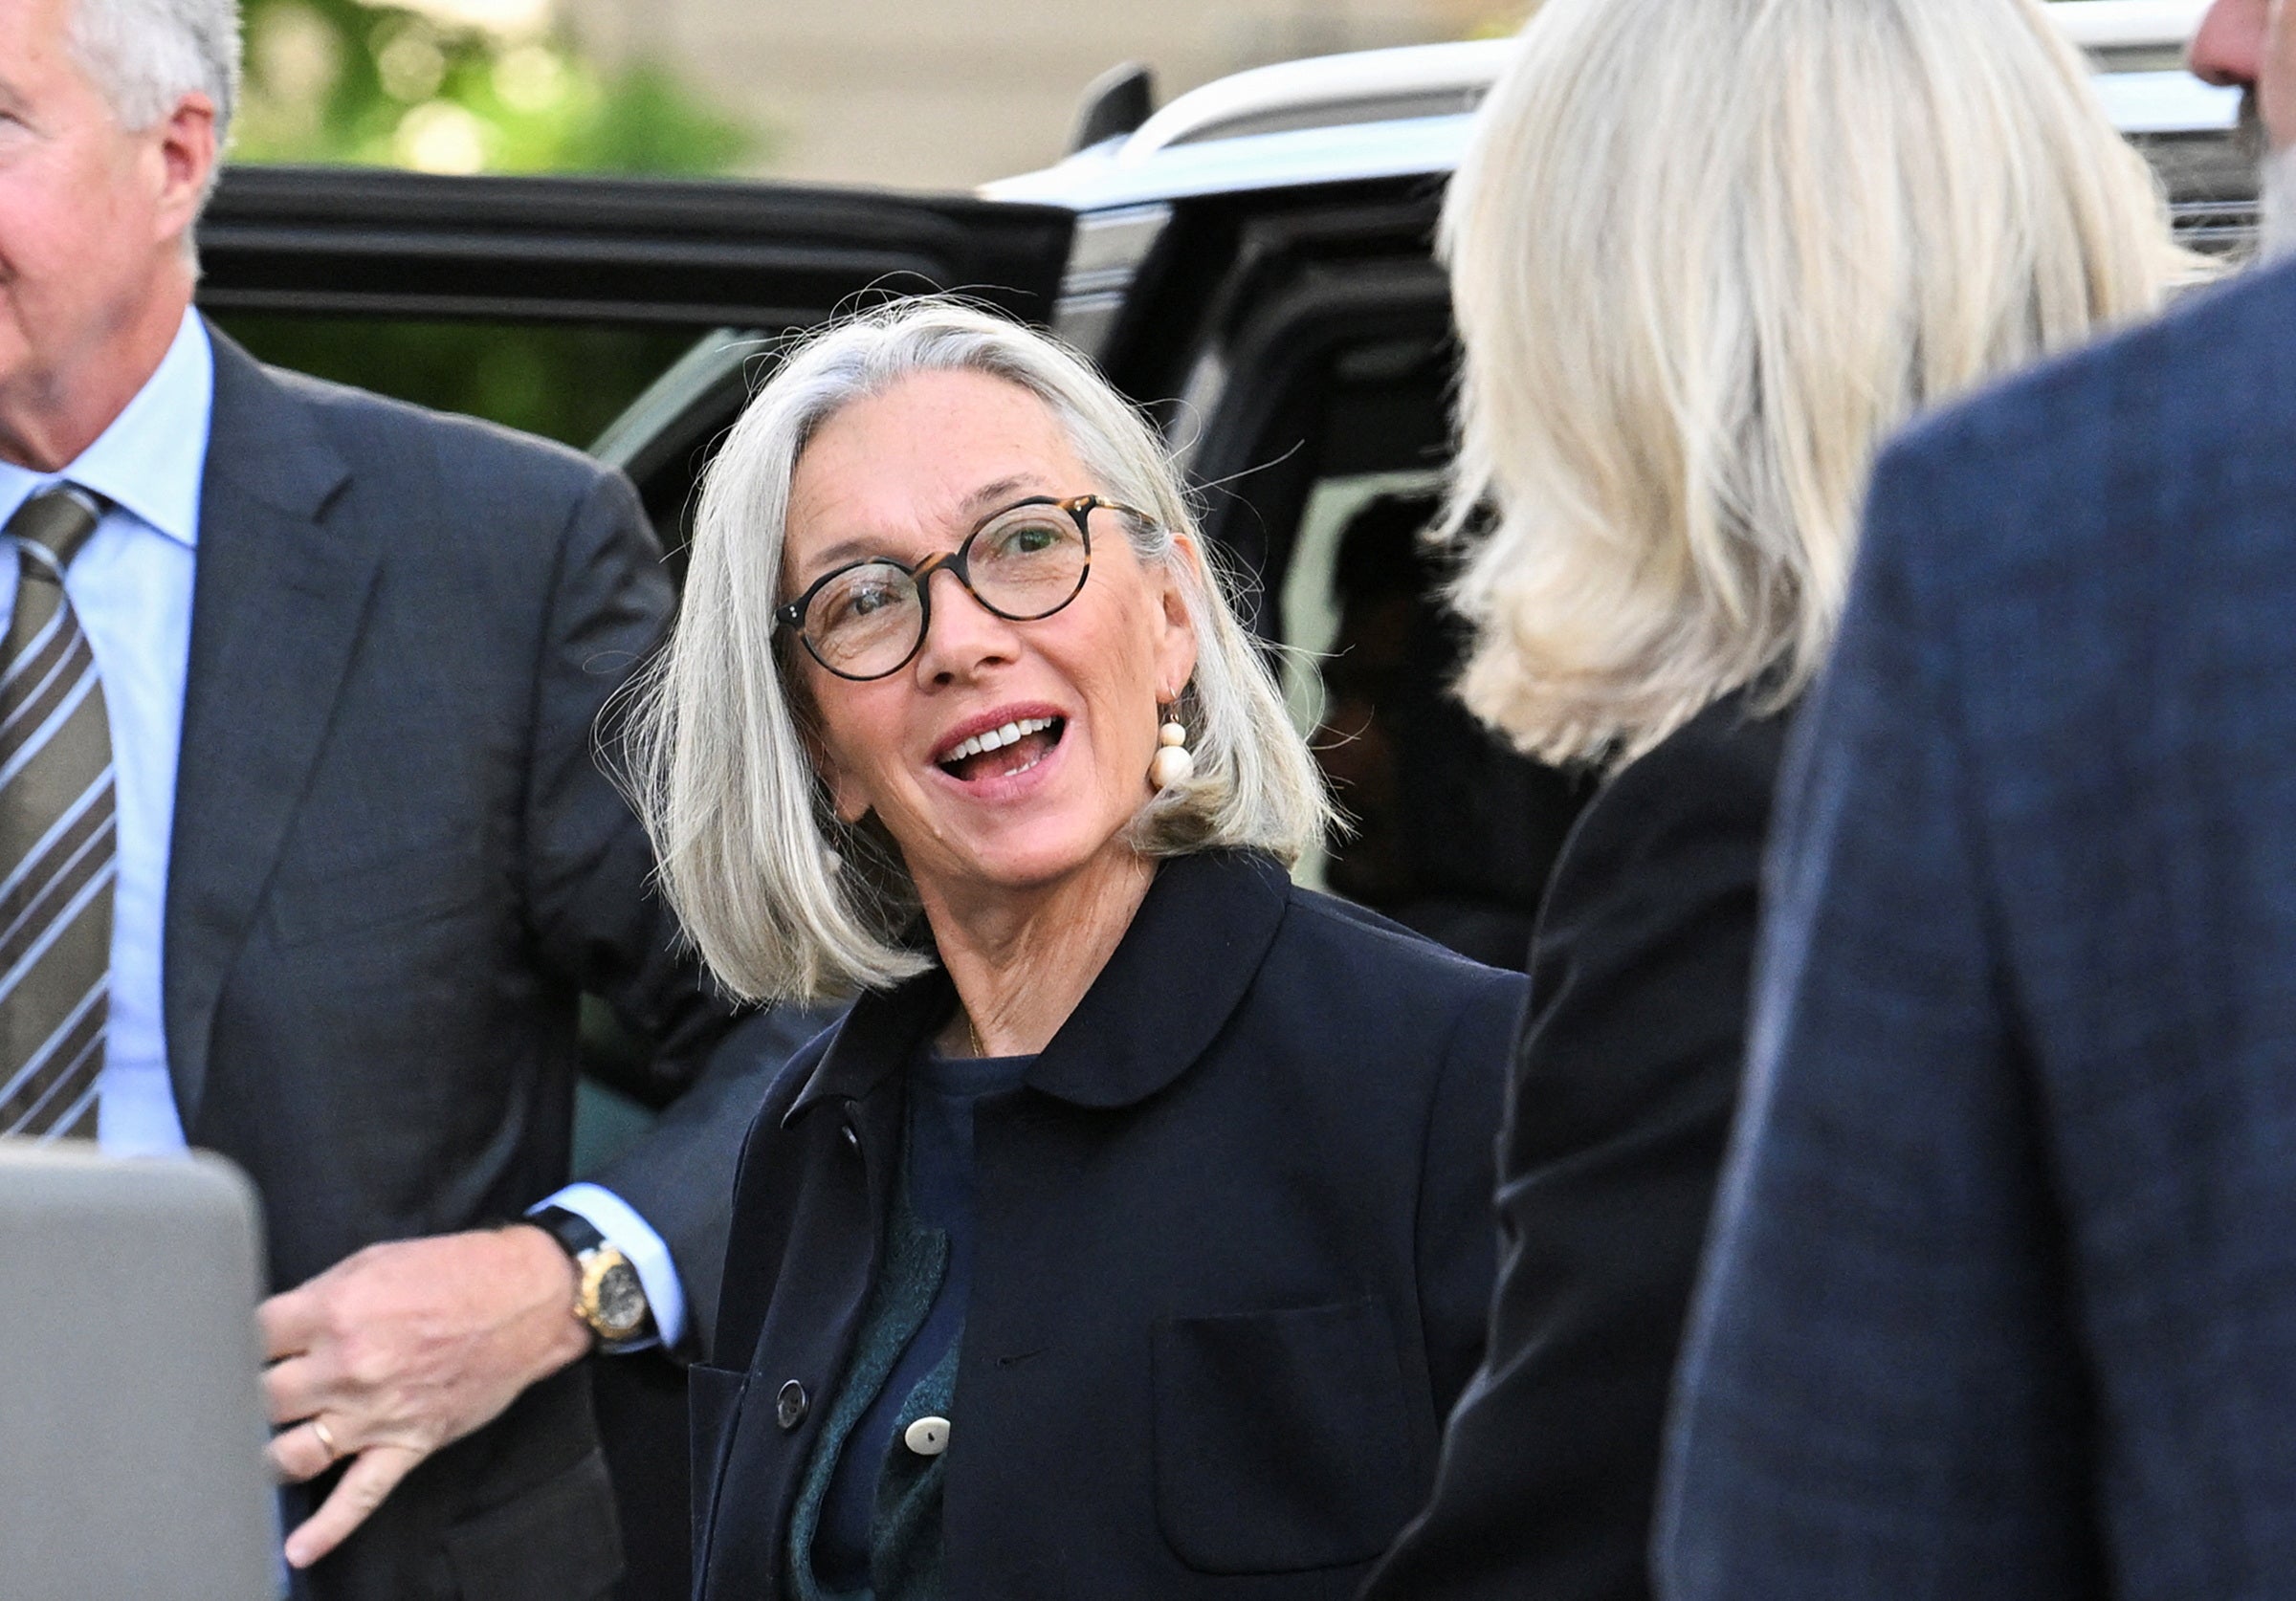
186	149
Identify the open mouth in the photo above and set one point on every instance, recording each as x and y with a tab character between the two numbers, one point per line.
1002	753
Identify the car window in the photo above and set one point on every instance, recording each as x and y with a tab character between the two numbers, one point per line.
567	382
1450	831
1323	449
1311	602
1311	613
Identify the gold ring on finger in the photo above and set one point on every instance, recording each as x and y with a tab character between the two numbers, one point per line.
326	1437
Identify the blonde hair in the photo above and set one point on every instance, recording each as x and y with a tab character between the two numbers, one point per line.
782	900
1706	256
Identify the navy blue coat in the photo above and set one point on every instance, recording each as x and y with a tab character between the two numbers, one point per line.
1233	1260
2001	1298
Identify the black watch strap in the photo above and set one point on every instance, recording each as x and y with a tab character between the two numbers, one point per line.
607	1280
574	1233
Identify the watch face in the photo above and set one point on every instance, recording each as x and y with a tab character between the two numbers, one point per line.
621	1302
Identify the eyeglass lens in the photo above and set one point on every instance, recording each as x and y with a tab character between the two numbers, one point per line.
1024	564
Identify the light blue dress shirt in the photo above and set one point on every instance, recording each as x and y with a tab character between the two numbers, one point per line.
130	586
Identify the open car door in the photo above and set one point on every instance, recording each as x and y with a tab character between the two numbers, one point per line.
695	254
713	268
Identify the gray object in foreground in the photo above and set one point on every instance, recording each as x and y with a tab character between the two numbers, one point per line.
131	1418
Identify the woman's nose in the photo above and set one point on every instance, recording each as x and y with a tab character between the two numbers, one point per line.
962	634
2228	49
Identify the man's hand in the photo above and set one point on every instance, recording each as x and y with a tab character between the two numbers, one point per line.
402	1348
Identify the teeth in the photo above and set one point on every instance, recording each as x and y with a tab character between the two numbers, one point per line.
997	738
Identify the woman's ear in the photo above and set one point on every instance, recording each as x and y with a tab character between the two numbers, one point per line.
1176	630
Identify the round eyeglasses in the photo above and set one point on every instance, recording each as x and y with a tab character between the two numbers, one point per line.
867	620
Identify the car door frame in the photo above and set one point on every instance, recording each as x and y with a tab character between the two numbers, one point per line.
347	241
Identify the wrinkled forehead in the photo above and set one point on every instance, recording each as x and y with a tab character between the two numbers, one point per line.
912	469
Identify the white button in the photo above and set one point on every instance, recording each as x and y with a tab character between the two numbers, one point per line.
927	1437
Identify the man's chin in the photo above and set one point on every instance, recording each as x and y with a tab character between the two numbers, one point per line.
2277	201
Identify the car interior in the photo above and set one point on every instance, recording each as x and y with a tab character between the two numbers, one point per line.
1312	408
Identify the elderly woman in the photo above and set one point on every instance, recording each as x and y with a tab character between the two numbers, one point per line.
1131	1234
1706	254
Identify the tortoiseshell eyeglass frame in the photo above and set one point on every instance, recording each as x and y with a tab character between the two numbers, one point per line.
1079	508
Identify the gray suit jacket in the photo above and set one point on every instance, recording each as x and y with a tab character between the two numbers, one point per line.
396	863
2001	1295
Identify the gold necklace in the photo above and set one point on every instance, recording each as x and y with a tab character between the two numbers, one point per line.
979	1050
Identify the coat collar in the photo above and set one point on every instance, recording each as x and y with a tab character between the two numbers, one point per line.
1179	972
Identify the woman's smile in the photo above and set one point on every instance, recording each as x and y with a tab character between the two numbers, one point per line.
1002	744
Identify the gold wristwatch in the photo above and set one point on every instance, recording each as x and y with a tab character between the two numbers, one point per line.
610	1297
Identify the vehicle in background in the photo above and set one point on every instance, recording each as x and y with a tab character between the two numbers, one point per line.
1250	263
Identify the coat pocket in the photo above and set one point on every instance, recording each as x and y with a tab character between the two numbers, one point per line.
714	1406
558	1539
1283	1439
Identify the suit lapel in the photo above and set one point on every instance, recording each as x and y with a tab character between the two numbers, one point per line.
279	595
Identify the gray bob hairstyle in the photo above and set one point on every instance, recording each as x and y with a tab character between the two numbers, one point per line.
782	900
1706	257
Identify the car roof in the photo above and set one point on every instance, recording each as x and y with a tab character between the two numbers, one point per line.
1395	113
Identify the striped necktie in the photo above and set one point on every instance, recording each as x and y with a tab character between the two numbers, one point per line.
57	845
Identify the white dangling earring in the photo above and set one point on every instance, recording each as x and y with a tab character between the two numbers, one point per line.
1172	765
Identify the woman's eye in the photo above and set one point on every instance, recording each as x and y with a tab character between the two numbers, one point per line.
858	602
1029	539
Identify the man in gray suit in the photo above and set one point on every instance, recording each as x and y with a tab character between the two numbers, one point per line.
304	853
2000	1299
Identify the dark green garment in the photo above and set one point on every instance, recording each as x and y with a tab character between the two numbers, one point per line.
905	1545
904	1536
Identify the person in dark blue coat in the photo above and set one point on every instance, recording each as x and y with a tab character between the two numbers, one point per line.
1131	1236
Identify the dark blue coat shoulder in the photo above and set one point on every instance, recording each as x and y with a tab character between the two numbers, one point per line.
1233	1261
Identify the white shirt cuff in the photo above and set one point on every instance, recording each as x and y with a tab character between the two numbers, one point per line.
634	1238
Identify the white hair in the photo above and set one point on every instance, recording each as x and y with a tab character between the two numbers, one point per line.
1706	256
782	900
145	55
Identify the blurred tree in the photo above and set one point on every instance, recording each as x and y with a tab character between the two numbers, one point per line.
463	86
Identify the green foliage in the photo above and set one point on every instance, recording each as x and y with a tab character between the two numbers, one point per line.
463	86
467	86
